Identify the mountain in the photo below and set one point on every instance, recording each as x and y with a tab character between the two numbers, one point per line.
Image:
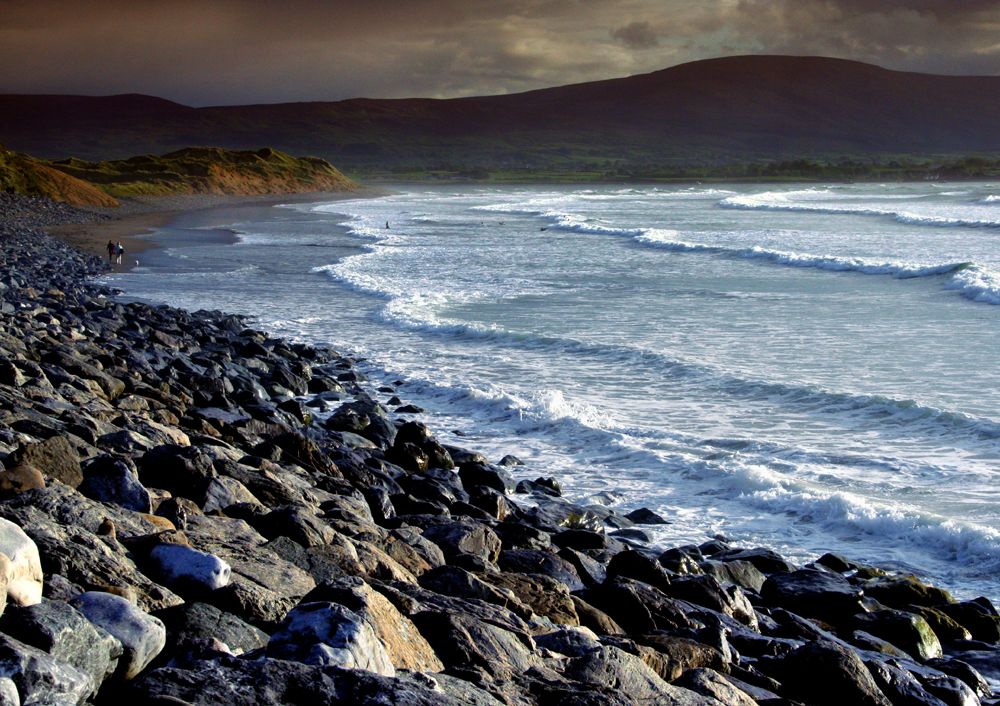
705	112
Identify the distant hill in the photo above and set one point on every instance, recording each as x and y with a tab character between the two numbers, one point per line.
21	174
737	108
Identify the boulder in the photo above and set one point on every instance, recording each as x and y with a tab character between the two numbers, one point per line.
826	674
183	568
902	591
223	492
529	561
60	630
328	634
610	669
543	594
194	623
56	458
405	646
39	677
464	537
481	474
681	654
141	635
738	572
24	570
110	480
766	560
19	478
708	682
907	631
544	486
813	593
645	516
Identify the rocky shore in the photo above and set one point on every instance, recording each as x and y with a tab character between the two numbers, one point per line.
194	512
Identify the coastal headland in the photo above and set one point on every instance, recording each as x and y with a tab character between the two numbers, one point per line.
193	511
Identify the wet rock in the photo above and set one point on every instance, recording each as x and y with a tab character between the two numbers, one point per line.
645	516
141	635
528	561
978	616
738	572
636	606
766	560
813	593
544	595
899	686
614	670
182	470
639	566
545	486
465	537
825	673
964	671
907	631
902	591
707	591
460	583
223	492
482	474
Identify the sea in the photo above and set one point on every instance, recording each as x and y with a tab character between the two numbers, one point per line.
813	368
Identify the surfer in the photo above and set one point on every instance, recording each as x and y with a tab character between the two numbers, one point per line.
387	225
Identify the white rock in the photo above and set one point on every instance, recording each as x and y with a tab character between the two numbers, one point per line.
8	693
179	564
24	575
329	634
142	636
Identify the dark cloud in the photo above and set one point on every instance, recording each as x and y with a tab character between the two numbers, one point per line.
235	51
637	35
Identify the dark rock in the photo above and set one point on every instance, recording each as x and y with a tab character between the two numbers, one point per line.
766	560
481	474
636	606
709	682
465	537
645	516
592	572
580	539
111	480
61	631
901	591
191	622
681	560
837	563
907	631
826	674
39	677
545	486
182	470
738	572
527	561
296	523
964	671
510	460
637	565
813	593
977	617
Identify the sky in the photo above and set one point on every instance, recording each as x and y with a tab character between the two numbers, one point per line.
223	52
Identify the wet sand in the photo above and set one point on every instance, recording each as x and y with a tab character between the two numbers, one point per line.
135	221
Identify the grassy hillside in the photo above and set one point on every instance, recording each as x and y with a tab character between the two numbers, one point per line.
21	174
209	170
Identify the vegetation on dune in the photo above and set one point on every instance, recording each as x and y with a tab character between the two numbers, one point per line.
209	170
22	174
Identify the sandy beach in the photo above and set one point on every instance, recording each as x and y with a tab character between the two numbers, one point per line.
136	219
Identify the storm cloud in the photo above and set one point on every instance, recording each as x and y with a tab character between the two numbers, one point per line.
203	52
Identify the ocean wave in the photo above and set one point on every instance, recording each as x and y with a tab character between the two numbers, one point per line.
992	198
785	201
734	481
419	312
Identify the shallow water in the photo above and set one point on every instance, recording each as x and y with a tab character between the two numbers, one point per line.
809	367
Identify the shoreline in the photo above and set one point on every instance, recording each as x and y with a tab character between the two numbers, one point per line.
137	219
280	526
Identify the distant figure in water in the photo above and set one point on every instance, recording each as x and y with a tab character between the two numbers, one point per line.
111	252
387	225
119	251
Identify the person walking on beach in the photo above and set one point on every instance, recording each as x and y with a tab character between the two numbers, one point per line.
119	251
111	252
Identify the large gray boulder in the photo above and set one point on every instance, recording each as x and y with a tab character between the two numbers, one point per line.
40	678
328	634
63	632
142	636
